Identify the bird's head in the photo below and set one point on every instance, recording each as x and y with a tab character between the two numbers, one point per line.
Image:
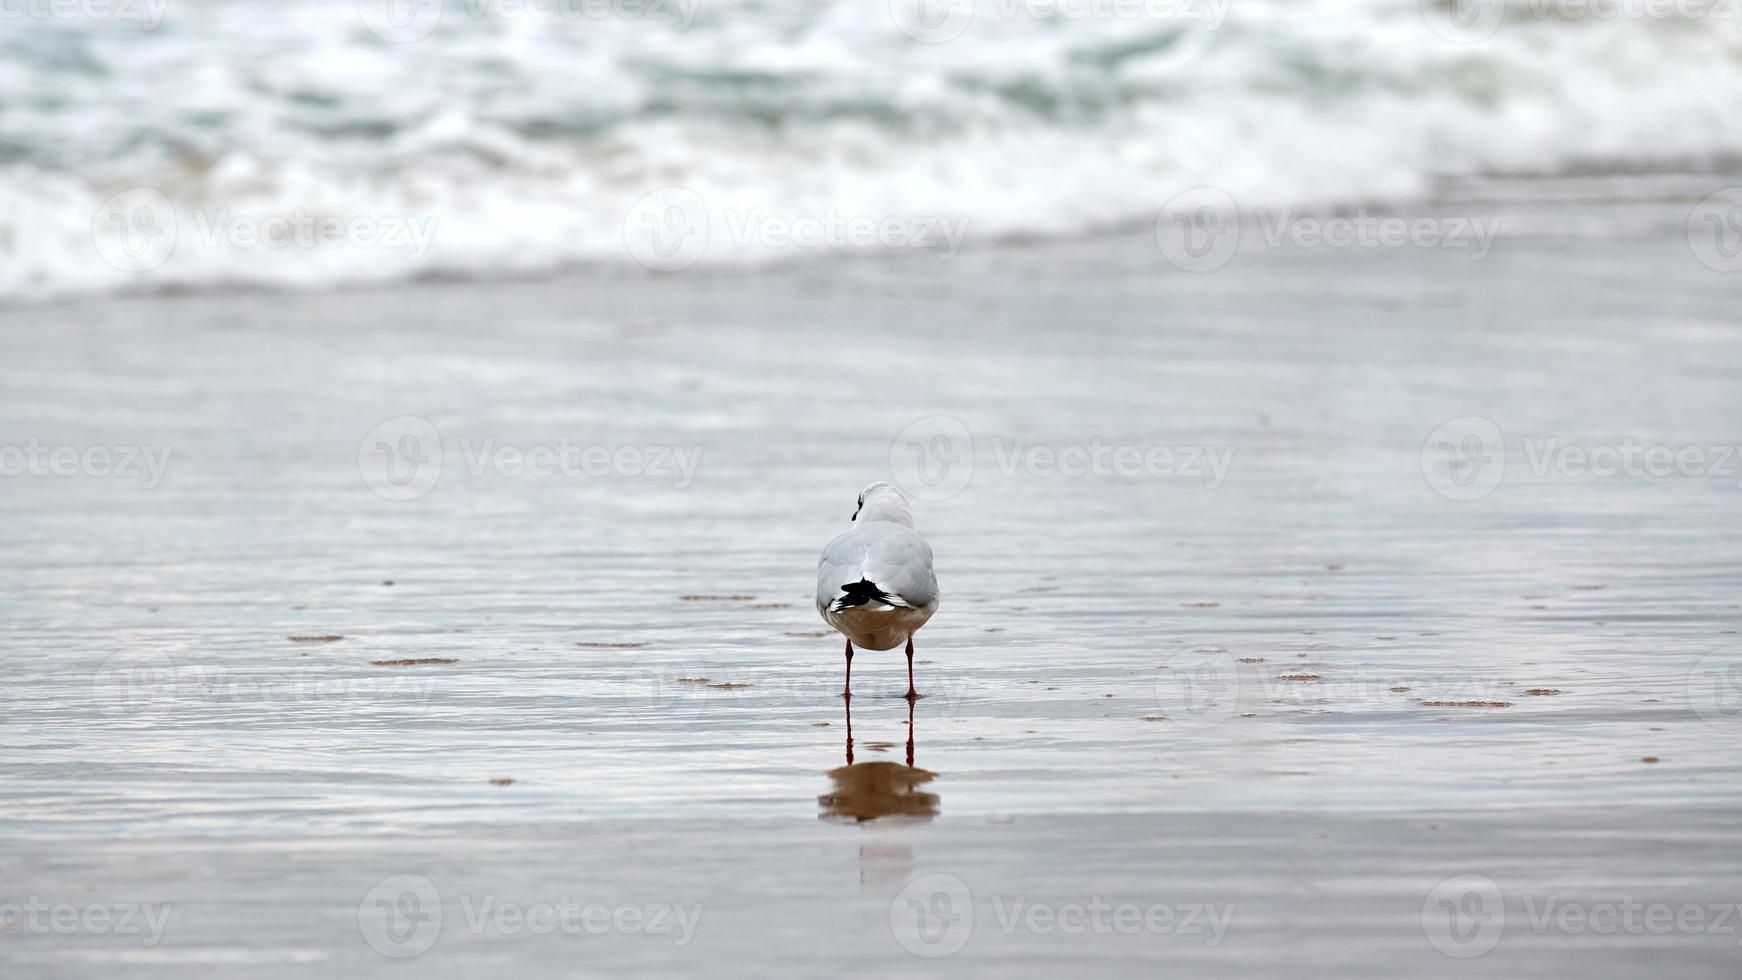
882	502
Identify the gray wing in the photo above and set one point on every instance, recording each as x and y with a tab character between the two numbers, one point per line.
895	558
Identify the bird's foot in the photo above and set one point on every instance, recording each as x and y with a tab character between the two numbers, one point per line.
912	695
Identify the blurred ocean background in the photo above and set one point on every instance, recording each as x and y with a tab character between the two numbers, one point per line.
262	688
523	133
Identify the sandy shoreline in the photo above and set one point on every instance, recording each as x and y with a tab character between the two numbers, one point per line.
811	897
1103	640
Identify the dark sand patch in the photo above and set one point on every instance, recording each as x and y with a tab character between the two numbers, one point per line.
328	638
413	662
1466	704
1542	692
599	645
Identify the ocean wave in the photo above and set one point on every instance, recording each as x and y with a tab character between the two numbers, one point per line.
339	141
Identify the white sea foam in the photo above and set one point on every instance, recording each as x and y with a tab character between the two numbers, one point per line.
301	148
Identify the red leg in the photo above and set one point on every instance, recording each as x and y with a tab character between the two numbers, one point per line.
847	692
911	693
910	733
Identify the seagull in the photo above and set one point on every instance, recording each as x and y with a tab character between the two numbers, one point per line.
875	581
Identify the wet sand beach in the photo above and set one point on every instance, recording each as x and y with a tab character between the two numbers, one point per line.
457	609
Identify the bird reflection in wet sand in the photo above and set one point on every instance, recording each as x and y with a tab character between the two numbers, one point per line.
871	790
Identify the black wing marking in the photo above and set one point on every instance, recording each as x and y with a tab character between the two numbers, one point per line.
862	592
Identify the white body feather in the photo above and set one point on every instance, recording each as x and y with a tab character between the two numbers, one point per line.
882	549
